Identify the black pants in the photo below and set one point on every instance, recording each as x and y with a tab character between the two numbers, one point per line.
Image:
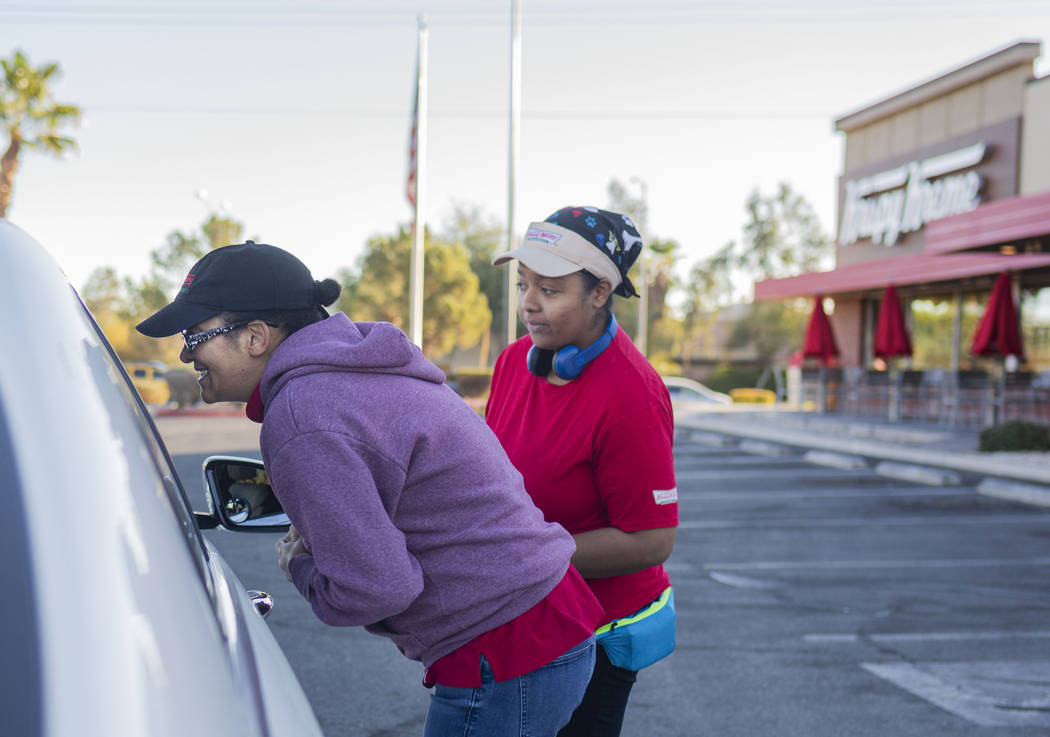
600	714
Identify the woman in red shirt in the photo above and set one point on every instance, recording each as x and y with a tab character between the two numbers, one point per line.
588	423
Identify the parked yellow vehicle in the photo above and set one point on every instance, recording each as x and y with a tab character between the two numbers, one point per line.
148	378
753	395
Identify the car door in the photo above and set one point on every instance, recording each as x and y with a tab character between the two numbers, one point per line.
132	626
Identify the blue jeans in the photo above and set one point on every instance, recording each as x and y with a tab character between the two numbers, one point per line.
536	704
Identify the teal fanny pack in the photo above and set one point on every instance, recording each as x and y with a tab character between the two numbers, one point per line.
642	638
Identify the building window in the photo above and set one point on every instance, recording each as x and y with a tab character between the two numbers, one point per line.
1035	328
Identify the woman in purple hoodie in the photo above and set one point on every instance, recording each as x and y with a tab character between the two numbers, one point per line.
408	518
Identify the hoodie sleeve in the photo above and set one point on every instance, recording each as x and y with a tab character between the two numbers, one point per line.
359	570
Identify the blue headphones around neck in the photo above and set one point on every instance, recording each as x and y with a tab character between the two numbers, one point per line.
569	362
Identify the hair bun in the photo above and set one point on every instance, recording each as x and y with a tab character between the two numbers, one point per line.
327	291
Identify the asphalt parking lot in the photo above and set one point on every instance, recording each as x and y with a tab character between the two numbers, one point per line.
812	600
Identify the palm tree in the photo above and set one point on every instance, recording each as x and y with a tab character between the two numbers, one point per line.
29	116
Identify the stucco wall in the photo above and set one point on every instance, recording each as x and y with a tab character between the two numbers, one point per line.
980	105
847	322
1035	138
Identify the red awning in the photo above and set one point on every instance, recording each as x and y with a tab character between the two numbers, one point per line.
891	334
923	268
820	341
1002	221
998	332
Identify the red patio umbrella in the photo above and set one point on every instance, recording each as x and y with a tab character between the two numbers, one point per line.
891	334
820	341
998	332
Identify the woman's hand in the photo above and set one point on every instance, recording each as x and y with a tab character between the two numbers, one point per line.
609	551
289	546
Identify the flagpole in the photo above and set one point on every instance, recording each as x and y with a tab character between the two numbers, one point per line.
415	320
512	166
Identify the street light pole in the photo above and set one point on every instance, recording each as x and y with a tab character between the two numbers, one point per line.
415	314
511	286
643	291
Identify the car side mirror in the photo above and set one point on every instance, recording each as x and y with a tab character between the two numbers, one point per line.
241	495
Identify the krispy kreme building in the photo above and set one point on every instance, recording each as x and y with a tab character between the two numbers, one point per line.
944	186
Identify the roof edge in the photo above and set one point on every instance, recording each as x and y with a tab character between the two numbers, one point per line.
1014	54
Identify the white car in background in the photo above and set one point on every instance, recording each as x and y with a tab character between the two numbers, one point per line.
688	393
118	618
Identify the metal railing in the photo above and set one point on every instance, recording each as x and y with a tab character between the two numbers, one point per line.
959	398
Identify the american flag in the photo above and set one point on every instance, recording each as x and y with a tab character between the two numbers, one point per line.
410	185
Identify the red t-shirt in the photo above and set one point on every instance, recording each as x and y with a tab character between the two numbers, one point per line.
567	616
596	452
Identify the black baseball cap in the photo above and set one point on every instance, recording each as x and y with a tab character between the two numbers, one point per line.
247	277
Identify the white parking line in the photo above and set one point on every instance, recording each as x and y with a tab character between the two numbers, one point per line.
840	493
790	565
990	694
892	637
930	521
779	476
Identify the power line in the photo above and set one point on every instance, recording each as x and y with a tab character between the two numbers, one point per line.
591	114
604	15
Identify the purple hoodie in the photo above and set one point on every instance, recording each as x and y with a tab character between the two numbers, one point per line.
418	525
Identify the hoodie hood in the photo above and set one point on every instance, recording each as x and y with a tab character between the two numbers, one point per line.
337	344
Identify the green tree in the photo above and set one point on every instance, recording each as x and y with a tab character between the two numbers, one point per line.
710	284
455	311
483	237
103	291
181	250
170	262
781	237
119	304
29	117
709	288
664	331
771	329
117	311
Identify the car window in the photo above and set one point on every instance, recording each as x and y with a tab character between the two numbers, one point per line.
126	406
21	700
674	391
140	373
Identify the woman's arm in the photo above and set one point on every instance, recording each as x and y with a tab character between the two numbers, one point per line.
609	551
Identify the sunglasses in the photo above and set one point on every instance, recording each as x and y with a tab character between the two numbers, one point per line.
193	340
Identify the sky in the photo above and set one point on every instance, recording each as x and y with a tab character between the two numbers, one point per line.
293	117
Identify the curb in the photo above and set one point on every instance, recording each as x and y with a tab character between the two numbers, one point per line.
918	474
712	439
835	460
763	448
967	462
1013	491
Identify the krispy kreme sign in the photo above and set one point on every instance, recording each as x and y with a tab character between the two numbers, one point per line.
903	199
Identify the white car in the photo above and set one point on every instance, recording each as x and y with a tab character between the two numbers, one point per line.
118	618
684	390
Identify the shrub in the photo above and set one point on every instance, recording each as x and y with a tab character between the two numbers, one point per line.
1015	435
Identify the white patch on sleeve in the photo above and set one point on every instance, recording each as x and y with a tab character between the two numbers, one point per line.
665	496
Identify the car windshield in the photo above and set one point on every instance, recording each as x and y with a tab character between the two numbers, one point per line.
131	420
